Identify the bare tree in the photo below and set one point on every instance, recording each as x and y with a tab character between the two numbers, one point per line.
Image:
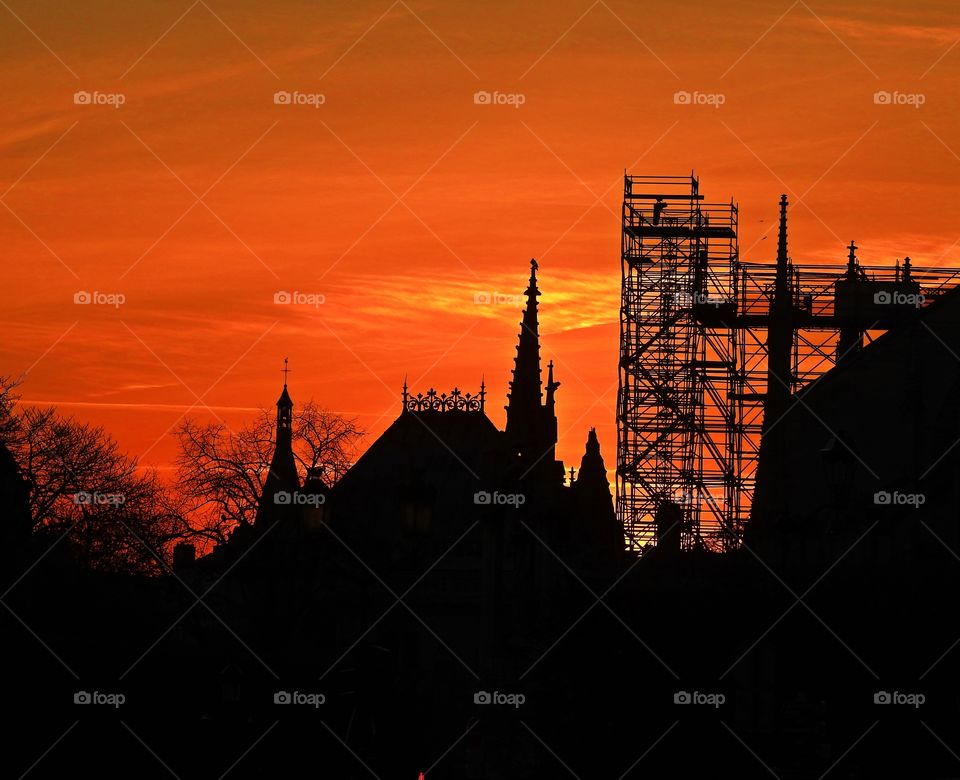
222	472
9	424
117	515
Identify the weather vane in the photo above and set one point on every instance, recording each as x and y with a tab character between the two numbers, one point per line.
285	370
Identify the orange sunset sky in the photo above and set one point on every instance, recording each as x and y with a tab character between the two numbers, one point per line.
400	198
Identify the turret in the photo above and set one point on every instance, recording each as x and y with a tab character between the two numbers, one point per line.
282	480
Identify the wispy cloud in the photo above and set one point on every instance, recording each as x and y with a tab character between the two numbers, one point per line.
880	32
572	299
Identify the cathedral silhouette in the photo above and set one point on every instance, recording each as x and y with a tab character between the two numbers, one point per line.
442	465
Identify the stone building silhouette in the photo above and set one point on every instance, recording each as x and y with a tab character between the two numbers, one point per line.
488	512
443	464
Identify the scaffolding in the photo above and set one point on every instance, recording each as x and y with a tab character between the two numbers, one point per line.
678	434
695	325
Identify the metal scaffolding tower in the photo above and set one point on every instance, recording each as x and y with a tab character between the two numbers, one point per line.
678	435
696	325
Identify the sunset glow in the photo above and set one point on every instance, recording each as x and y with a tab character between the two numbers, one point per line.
403	206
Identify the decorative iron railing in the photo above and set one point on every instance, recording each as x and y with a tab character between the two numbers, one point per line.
455	401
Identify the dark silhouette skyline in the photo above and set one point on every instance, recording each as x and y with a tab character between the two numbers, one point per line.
456	604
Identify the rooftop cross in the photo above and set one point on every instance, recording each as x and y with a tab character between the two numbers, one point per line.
285	370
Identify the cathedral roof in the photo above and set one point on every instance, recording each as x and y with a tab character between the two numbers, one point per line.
440	445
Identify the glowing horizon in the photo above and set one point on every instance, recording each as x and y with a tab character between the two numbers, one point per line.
400	197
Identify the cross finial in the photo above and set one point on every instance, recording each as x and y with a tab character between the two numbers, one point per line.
285	370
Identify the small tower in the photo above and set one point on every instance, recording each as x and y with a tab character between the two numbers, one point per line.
282	480
592	469
850	340
598	528
285	412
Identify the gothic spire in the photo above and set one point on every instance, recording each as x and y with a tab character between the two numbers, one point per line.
782	273
526	387
782	236
531	425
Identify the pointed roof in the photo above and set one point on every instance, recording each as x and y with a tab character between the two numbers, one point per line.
282	476
595	501
526	386
592	468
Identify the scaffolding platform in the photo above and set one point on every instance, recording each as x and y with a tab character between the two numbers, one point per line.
695	327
